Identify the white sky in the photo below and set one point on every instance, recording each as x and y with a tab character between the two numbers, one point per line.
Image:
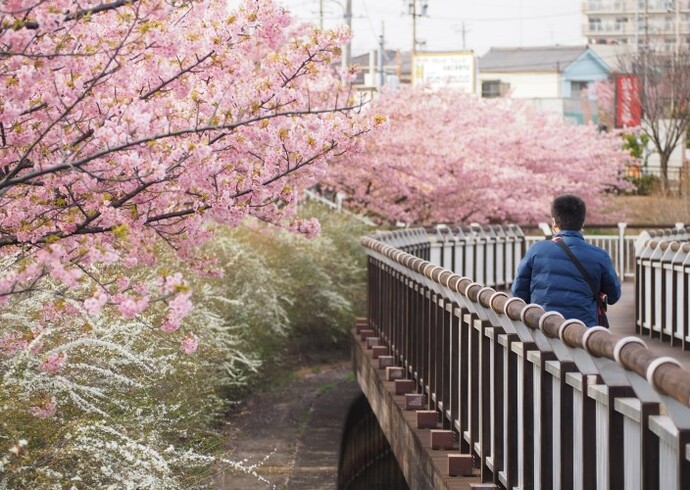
488	23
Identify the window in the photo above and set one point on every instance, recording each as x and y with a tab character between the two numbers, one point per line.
595	24
669	22
620	23
494	88
577	88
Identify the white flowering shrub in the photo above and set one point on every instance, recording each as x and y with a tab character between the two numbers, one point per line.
322	281
107	402
97	400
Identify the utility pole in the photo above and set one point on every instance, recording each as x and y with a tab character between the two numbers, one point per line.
348	20
414	27
381	41
321	14
677	2
413	11
637	28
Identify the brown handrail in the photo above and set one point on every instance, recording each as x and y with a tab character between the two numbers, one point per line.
665	376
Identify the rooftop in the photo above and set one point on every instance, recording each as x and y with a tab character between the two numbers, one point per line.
549	58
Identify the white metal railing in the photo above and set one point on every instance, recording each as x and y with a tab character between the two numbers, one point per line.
490	253
663	285
463	248
620	247
487	253
539	401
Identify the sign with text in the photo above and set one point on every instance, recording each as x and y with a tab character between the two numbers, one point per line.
628	105
440	70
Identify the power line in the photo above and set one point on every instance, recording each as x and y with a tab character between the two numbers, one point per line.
368	17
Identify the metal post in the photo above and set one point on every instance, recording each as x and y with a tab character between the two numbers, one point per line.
321	14
677	2
347	48
546	230
414	27
380	63
621	251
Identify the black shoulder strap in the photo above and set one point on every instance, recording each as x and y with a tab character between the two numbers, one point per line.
559	241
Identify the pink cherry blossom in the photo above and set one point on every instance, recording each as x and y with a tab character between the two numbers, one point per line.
451	157
54	363
190	344
11	343
94	304
48	410
147	122
130	306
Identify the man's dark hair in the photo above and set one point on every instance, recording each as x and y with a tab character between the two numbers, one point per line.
569	212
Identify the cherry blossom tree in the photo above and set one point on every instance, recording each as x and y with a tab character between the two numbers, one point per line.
604	92
131	124
130	129
451	157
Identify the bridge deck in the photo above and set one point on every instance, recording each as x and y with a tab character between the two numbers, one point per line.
622	320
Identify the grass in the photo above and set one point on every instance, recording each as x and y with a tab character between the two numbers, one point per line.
327	387
654	209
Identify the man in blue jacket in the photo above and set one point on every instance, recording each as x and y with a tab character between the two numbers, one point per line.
548	277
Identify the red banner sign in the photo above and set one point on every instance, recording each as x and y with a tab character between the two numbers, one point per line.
628	106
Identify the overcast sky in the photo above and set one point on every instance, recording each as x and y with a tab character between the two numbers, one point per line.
487	23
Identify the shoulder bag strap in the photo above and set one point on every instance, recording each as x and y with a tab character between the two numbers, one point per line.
559	241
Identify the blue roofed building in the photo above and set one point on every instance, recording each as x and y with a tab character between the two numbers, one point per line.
552	78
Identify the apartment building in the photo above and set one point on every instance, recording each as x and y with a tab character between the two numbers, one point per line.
660	24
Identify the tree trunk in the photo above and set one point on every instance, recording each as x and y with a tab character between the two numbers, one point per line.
663	164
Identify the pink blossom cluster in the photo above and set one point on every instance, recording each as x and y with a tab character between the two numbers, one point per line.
54	363
456	158
45	410
11	343
190	344
179	307
138	124
130	306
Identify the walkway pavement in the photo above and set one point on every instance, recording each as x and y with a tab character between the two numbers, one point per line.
622	320
298	425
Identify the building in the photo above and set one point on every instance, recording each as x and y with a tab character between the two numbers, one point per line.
397	68
659	24
553	78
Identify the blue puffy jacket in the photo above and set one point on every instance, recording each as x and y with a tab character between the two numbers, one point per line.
546	276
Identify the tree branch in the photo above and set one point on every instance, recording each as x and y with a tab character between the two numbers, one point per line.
84	12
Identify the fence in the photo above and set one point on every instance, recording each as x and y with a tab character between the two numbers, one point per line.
620	246
489	254
540	402
663	285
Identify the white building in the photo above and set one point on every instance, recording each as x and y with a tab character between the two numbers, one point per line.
552	78
660	24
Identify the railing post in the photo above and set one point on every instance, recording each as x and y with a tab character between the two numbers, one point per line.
622	249
546	230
